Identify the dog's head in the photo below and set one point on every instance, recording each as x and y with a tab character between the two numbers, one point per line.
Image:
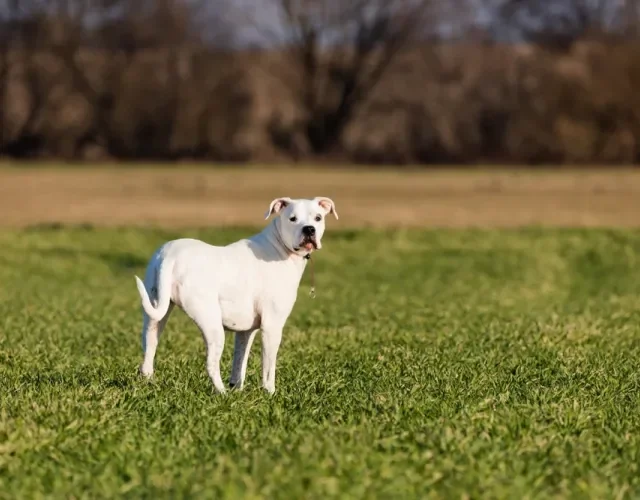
301	222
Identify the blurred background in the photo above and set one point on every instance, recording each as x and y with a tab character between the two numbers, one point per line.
330	83
369	81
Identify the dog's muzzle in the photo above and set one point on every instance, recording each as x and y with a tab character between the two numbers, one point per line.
309	241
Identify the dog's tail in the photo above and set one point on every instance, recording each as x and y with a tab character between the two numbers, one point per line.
165	279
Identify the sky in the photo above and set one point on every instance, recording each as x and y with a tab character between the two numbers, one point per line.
259	22
458	17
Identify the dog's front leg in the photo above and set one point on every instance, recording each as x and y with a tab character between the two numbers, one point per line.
271	337
241	351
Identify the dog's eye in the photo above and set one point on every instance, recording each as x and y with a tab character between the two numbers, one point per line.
293	218
318	218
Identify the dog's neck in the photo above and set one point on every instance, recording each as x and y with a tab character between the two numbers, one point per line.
273	235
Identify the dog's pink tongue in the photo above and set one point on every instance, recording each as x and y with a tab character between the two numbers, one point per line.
308	246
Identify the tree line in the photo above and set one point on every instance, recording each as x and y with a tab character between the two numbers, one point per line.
365	81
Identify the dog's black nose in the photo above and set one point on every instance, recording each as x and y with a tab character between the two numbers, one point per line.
309	231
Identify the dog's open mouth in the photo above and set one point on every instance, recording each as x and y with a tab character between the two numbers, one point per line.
309	244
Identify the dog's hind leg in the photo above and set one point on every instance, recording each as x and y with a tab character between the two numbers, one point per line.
208	317
151	331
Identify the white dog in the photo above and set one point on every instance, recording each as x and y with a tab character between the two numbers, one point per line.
242	287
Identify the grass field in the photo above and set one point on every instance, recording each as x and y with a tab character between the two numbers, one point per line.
450	353
432	364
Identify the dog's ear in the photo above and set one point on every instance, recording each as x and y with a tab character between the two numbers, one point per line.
277	205
328	205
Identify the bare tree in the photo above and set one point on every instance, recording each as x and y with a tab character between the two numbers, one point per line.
4	69
170	33
631	16
159	28
121	72
335	52
20	37
45	39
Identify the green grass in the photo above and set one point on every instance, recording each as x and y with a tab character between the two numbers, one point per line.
431	364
